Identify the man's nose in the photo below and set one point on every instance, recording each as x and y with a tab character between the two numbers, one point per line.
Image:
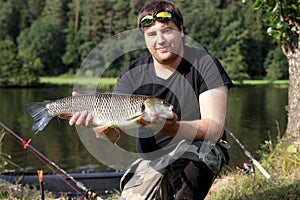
160	38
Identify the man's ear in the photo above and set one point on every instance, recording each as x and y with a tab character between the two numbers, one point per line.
181	31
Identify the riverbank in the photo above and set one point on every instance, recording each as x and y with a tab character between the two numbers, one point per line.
281	161
103	84
105	81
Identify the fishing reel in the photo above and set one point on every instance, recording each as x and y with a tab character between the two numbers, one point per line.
247	168
92	195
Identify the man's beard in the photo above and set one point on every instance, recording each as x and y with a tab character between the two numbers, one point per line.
168	57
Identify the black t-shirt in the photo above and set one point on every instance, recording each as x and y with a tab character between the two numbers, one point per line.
197	73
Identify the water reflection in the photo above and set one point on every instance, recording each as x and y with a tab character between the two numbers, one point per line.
252	116
255	114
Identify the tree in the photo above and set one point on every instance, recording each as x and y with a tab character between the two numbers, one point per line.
71	56
39	42
28	11
85	29
120	19
283	20
44	39
258	43
8	19
7	61
15	69
135	6
234	60
17	15
276	65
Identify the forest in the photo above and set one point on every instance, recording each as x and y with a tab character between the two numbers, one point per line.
53	37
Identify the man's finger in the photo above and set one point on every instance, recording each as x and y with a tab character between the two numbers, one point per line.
74	93
74	118
88	120
81	119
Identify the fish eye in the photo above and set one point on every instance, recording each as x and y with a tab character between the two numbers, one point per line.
143	107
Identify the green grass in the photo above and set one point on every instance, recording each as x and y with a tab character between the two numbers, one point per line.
102	84
263	82
71	79
281	162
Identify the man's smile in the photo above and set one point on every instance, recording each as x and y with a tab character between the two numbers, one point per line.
163	49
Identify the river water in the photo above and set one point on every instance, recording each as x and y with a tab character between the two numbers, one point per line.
255	114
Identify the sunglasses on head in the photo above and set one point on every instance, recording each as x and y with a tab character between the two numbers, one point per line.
163	16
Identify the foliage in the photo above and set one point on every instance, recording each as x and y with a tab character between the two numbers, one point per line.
7	60
61	33
46	44
273	65
281	17
16	69
234	61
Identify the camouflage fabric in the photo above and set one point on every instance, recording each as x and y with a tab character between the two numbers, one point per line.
199	151
147	179
144	183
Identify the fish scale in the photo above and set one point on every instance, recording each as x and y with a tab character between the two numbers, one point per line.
114	109
108	109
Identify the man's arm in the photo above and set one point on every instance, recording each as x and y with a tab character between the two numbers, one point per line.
213	107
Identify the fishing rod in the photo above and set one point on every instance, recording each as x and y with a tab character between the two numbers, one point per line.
248	154
91	195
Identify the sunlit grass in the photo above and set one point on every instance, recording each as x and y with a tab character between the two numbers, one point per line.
102	84
281	162
263	82
71	79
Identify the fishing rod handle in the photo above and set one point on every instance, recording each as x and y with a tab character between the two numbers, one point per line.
263	171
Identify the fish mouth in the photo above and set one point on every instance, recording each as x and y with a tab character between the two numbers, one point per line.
171	115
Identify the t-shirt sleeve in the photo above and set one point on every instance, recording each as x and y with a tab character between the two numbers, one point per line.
212	73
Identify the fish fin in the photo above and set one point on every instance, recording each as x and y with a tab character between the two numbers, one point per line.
38	112
103	128
136	117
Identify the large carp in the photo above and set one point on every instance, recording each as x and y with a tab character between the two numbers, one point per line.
108	109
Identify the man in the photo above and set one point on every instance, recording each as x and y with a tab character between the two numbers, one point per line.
178	158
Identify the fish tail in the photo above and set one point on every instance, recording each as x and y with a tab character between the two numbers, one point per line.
40	115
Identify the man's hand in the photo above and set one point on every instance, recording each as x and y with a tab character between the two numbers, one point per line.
168	127
81	118
86	119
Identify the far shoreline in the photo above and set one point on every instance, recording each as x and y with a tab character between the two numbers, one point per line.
70	80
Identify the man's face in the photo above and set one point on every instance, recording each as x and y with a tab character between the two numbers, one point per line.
164	41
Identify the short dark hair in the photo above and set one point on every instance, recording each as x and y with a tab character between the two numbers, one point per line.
161	5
